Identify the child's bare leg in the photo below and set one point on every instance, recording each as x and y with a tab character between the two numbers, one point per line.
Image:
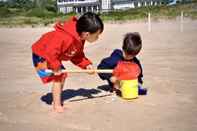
62	83
62	86
56	92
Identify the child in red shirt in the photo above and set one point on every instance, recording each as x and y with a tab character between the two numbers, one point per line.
65	43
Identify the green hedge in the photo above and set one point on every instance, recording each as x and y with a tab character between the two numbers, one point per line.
41	13
47	15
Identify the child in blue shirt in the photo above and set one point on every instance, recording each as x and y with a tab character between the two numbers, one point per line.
131	45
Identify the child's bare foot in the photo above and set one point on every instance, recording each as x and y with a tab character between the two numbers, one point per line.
58	109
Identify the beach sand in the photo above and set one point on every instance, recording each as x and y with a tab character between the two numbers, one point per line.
169	59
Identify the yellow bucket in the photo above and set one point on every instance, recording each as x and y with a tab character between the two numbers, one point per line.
129	89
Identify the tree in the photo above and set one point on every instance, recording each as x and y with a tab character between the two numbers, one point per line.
40	3
24	4
165	1
50	5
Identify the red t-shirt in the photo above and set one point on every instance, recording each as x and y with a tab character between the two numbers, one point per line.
126	70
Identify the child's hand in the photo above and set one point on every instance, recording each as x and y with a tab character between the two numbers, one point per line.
90	67
115	82
57	72
113	79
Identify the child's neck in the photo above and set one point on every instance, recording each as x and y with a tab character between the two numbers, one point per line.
127	59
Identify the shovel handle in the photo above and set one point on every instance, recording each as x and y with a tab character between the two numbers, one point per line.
84	71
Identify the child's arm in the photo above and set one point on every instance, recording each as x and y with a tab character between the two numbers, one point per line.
90	67
57	72
109	63
140	77
81	60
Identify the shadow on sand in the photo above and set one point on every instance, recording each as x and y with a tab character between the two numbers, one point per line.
70	93
104	88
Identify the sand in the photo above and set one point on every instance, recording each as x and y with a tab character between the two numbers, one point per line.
169	59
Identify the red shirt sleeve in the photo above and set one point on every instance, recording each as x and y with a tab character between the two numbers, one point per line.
80	60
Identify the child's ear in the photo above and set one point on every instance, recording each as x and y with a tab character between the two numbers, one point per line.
84	35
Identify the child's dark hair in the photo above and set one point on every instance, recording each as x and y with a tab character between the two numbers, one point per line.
132	43
89	22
